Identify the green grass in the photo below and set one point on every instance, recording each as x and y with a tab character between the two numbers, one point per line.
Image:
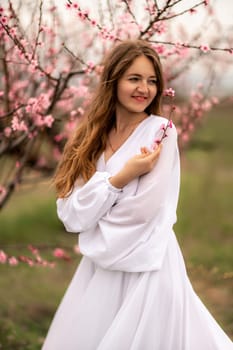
205	222
30	295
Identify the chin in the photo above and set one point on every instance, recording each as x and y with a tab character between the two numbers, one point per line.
135	110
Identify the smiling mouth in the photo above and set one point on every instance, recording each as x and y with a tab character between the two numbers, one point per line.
140	98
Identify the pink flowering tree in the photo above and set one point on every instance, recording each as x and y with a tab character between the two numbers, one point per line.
50	62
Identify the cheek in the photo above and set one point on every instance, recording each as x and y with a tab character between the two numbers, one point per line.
122	90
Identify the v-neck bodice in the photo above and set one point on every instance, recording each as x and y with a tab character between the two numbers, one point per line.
132	135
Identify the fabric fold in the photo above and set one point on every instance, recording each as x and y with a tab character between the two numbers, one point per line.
88	203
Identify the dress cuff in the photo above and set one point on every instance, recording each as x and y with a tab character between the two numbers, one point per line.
111	187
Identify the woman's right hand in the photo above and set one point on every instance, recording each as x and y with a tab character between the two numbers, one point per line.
136	166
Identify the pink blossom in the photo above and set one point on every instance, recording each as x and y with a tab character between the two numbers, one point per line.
83	15
181	49
2	192
80	111
68	5
150	8
61	254
206	105
73	114
214	100
160	49
7	131
93	22
191	126
3	257
34	250
205	48
155	144
13	31
4	20
185	137
162	127
59	137
39	120
76	249
58	253
159	27
48	120
192	11
179	130
27	260
70	126
185	120
90	67
41	162
13	261
45	29
18	125
169	92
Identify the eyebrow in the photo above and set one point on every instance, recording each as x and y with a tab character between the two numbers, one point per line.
139	75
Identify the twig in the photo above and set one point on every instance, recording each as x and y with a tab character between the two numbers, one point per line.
39	30
10	113
159	14
130	11
189	46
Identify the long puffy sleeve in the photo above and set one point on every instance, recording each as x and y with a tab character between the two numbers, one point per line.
86	204
133	234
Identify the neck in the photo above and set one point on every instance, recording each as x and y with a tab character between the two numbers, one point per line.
124	122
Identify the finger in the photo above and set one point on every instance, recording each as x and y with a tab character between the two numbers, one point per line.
144	150
158	149
154	155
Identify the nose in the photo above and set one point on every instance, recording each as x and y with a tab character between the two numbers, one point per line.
143	86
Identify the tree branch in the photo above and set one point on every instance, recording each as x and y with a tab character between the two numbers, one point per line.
18	174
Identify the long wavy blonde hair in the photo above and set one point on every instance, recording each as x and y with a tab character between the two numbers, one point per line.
83	149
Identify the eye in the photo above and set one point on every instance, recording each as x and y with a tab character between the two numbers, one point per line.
152	81
134	79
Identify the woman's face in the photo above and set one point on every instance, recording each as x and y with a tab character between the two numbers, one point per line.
137	88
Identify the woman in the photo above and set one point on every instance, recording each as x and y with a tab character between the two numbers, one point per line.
116	189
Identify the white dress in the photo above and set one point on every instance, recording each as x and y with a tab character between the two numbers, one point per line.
131	290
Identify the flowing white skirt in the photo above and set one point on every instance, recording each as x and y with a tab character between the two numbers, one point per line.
114	310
